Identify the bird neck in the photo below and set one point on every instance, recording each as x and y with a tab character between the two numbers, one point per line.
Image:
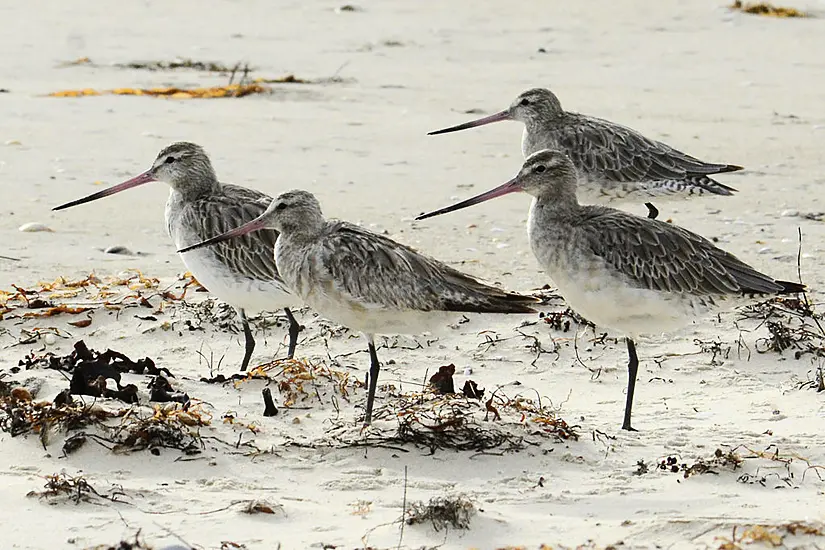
539	123
307	227
196	188
558	199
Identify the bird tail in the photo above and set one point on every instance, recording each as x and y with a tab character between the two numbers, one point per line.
728	168
705	185
790	288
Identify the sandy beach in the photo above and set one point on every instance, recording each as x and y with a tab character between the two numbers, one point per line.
730	451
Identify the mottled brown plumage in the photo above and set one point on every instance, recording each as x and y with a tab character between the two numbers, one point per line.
366	281
613	161
242	272
631	274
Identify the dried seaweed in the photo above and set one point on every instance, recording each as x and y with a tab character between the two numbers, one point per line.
168	426
185	63
72	297
298	380
19	417
770	535
442	381
764	8
90	370
74	488
770	464
792	324
212	92
442	512
454	422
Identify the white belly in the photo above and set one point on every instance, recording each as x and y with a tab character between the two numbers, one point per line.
606	301
373	318
252	295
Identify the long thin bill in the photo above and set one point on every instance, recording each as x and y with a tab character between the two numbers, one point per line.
505	189
145	177
255	225
498	117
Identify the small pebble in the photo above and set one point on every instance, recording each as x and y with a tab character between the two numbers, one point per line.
117	249
34	227
14	142
50	339
468	371
765	250
789	213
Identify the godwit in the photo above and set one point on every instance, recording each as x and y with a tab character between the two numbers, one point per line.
242	273
366	281
614	162
630	274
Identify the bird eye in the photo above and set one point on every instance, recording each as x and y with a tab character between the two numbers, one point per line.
280	206
170	159
525	101
539	169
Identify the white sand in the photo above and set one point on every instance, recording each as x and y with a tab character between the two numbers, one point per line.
722	86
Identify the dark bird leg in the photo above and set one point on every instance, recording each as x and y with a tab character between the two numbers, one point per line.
294	329
249	346
652	211
632	370
375	367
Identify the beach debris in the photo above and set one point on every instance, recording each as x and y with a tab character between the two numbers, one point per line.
764	8
348	8
720	459
442	381
771	535
561	320
35	227
19	416
9	258
768	468
75	62
118	249
213	92
471	390
436	422
441	512
127	289
75	489
792	323
167	428
261	507
74	443
185	63
269	405
298	381
109	364
161	391
719	351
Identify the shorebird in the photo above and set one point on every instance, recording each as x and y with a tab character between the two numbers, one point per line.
242	273
366	281
630	274
614	162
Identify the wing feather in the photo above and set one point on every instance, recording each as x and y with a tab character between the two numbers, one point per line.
374	269
622	154
661	256
251	255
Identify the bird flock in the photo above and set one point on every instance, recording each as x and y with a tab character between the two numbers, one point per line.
630	274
